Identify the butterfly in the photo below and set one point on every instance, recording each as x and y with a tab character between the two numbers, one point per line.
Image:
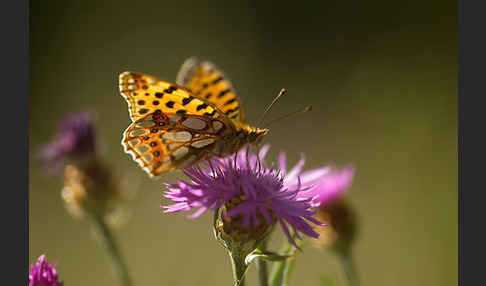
175	125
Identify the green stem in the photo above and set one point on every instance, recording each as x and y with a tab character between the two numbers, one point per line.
283	269
239	268
276	277
262	266
288	269
349	269
114	252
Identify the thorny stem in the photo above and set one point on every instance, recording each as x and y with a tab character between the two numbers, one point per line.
114	252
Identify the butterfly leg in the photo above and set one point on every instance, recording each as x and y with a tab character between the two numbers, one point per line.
236	157
258	158
210	164
247	159
211	167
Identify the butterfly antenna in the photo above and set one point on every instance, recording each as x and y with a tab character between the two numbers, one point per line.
303	110
282	92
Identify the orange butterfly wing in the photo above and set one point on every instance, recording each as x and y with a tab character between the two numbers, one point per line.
162	142
145	94
210	83
171	127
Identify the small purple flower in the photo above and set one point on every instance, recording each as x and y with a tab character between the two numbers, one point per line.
259	190
76	136
324	185
43	274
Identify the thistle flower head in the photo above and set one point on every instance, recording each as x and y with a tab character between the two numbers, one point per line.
253	195
324	185
89	186
75	137
43	274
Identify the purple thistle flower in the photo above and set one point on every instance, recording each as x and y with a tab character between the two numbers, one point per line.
259	192
43	274
76	136
324	185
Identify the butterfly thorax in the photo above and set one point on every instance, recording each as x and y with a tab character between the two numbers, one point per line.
247	135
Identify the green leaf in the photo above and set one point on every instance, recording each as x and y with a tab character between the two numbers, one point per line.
265	255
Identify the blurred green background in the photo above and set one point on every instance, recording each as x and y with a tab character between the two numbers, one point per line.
381	76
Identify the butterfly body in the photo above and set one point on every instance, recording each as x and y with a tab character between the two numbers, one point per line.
247	135
178	124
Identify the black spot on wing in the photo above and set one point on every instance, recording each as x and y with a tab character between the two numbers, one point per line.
229	111
217	80
201	106
210	114
223	93
187	100
170	104
230	101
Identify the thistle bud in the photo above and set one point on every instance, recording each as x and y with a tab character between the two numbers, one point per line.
89	189
341	229
232	230
88	185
